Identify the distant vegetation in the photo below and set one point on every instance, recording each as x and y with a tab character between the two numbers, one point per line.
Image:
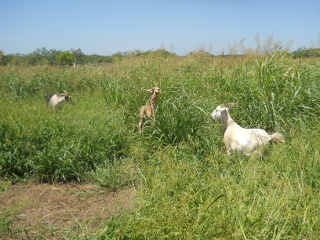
42	56
52	58
306	53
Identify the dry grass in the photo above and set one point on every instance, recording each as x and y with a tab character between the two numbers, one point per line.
54	211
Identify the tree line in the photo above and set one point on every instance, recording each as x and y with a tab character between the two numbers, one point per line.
43	56
306	53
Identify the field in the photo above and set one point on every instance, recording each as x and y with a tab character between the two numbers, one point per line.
184	184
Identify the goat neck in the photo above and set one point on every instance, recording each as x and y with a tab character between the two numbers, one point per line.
61	99
154	100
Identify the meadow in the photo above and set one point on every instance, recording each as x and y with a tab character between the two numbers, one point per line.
188	187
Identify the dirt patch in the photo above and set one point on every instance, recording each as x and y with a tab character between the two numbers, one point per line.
45	211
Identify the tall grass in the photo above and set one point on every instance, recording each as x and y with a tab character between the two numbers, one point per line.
60	144
188	187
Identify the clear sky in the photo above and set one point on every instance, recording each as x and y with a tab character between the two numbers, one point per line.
182	26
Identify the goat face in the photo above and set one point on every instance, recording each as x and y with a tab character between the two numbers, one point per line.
216	114
155	90
67	97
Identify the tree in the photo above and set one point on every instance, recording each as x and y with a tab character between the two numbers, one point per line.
1	57
306	53
65	58
78	55
42	56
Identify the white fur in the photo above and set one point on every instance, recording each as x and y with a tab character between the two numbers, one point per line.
236	138
54	99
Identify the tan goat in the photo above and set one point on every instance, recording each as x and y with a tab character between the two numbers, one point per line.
150	108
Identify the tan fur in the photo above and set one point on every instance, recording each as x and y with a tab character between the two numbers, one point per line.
150	108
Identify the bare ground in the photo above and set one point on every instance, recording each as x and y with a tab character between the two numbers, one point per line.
47	211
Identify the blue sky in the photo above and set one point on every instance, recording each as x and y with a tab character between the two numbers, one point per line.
111	26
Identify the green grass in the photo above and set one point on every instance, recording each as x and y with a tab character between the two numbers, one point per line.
188	187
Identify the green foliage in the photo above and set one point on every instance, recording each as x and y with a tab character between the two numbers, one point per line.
306	53
188	187
181	117
116	174
65	58
55	146
78	56
6	219
1	57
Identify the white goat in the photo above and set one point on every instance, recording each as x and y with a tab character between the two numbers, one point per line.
247	141
150	108
54	99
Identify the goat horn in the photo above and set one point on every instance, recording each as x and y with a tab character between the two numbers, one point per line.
229	104
148	90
